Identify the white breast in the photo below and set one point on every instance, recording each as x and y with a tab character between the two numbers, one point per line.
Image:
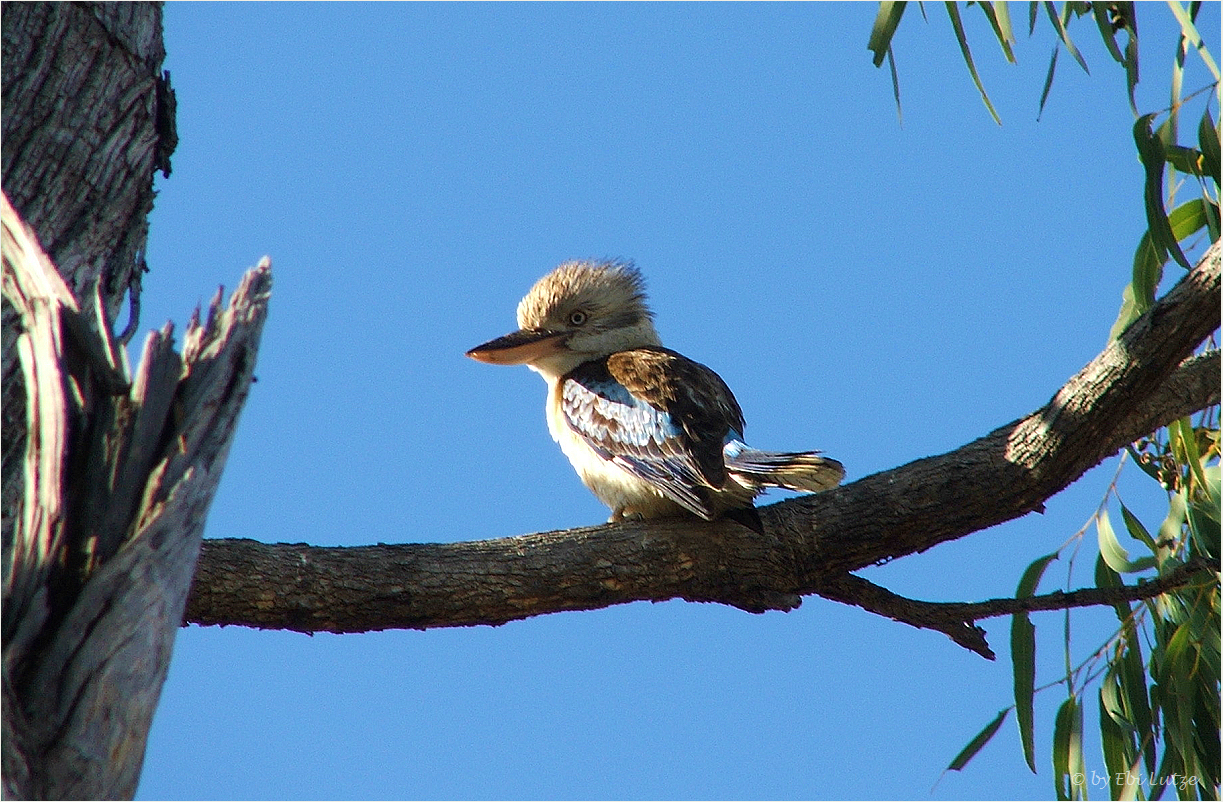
614	486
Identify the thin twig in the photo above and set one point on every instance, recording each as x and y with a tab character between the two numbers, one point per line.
957	619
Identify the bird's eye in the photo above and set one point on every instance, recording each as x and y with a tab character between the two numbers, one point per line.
577	317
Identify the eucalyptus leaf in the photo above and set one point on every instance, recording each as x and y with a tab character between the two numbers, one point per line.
1212	217
1179	705
1113	553
1169	606
1132	680
1208	143
1032	574
1170	529
884	28
1061	749
1131	68
1204	636
1185	446
1068	775
1078	773
1151	153
1178	75
1116	745
1002	13
1148	272
1100	12
1023	667
1188	218
1170	767
1167	133
1136	529
895	85
1023	658
1124	688
1059	23
1190	32
956	23
1106	578
1044	92
1125	316
979	740
1185	160
1204	528
1000	20
1131	783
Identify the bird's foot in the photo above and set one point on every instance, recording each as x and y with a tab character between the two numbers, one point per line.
622	514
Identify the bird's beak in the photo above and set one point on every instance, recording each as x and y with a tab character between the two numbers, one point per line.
522	346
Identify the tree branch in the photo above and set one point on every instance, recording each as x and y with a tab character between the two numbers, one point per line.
957	619
1143	380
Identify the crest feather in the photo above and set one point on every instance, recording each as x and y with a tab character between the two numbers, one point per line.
596	286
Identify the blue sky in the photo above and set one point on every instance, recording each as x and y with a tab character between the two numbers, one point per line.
879	292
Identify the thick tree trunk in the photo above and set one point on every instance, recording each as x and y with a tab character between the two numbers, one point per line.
106	480
87	120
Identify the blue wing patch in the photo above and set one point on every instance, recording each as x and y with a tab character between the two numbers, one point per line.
652	443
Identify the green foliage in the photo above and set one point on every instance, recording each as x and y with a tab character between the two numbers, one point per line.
885	26
1109	17
1068	766
1159	716
981	739
1159	719
953	11
1023	658
1166	231
1173	706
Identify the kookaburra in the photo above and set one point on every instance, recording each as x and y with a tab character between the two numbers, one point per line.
650	432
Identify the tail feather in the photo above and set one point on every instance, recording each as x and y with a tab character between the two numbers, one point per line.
805	471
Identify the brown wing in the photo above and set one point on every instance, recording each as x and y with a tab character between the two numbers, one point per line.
695	398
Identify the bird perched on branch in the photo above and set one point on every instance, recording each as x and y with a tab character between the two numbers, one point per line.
652	433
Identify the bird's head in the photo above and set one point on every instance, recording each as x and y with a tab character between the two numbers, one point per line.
582	310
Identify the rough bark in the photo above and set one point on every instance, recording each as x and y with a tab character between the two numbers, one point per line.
106	479
1143	380
88	118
